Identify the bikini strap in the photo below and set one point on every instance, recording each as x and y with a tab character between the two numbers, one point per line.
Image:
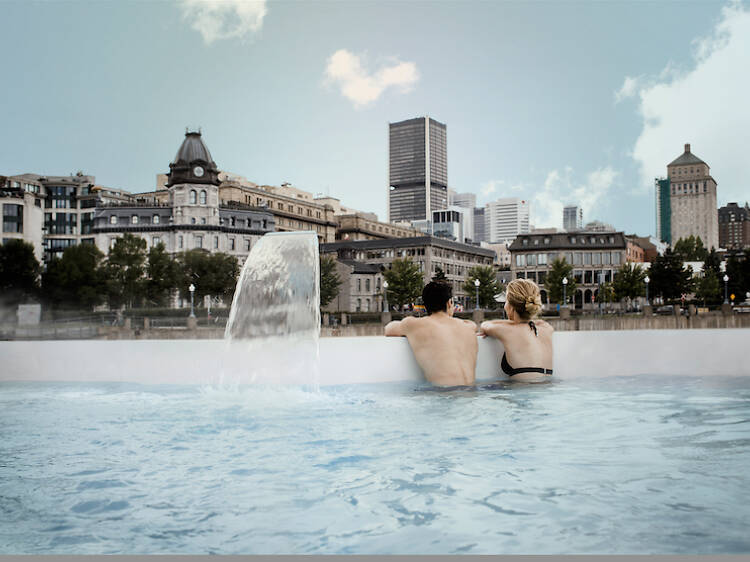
533	327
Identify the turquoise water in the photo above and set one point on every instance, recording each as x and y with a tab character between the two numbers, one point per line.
618	465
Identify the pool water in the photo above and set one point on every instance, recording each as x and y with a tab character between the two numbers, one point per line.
618	465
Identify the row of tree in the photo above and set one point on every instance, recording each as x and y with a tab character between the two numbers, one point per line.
128	276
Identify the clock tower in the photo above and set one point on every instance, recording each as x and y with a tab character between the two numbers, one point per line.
193	163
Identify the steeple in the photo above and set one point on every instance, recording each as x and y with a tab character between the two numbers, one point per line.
193	163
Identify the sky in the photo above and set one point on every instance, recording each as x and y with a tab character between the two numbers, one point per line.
553	102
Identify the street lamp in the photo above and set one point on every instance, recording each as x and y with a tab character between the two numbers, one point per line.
191	288
385	294
647	281
476	284
726	280
565	289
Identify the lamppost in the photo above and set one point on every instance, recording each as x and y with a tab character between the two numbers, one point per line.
385	294
647	281
476	284
191	288
726	280
565	289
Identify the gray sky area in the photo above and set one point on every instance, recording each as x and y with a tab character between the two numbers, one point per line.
554	102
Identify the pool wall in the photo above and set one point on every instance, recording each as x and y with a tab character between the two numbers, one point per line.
367	359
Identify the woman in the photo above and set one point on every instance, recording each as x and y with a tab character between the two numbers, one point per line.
527	342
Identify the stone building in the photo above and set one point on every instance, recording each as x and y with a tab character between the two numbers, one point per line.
361	288
428	252
187	213
692	200
595	258
734	227
367	227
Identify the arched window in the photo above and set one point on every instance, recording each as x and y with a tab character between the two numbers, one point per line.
156	219
134	219
113	219
203	196
193	196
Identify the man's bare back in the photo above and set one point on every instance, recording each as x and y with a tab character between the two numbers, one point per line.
445	347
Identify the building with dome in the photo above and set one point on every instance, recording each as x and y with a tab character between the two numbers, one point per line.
188	213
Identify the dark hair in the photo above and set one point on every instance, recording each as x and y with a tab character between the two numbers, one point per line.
436	295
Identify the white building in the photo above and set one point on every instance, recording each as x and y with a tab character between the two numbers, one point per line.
505	219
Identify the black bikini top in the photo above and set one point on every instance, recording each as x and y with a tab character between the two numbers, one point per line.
510	371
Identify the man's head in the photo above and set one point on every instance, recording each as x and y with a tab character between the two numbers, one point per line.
436	296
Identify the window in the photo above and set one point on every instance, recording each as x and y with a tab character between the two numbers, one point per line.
541	277
179	241
193	196
359	305
597	258
199	241
155	219
605	258
134	219
577	258
531	259
112	242
359	285
203	220
231	243
216	242
587	258
192	220
367	286
203	196
156	240
520	260
616	258
542	259
569	258
525	242
113	219
247	244
12	218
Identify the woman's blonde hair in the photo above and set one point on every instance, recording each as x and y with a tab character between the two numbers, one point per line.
523	295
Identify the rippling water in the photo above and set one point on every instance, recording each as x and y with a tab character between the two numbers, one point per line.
613	466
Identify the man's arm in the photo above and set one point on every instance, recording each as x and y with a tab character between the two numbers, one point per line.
398	328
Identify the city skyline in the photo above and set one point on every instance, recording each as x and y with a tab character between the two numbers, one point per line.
318	117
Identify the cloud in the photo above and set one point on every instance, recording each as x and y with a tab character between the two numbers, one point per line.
628	90
704	105
361	87
490	187
224	19
561	189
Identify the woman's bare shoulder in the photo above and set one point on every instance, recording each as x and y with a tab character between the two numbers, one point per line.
543	324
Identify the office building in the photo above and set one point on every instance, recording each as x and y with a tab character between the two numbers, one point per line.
505	219
734	227
572	218
663	210
693	200
479	231
417	169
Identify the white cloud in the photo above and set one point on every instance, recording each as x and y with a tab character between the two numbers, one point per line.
490	187
362	87
561	189
705	105
628	90
224	19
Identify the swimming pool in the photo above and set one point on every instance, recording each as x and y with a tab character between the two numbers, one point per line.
586	465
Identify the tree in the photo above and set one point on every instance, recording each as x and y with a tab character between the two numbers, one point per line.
707	288
439	274
628	282
669	278
737	284
77	279
487	285
690	248
404	282
605	293
329	280
19	272
212	274
162	275
559	269
125	270
713	262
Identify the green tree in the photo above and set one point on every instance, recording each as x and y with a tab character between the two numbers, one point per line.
439	274
75	280
212	274
691	248
162	275
708	289
713	262
605	293
628	282
559	269
669	277
329	280
125	271
487	285
404	282
19	272
737	284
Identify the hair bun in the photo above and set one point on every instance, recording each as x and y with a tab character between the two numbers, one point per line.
533	304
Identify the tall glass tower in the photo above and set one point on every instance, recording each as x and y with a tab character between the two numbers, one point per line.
417	169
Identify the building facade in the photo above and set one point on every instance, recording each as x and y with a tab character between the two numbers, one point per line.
479	232
21	216
428	252
693	200
572	218
361	288
505	219
663	210
367	227
595	258
734	226
417	169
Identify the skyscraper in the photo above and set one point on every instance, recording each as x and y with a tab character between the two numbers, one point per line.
505	219
693	200
572	218
417	169
663	210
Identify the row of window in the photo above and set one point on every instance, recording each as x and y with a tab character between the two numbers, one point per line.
689	188
582	277
288	207
367	285
574	258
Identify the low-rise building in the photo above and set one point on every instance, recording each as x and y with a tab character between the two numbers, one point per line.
360	289
428	252
595	257
21	216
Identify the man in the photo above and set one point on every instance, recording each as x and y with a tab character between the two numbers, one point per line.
445	347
